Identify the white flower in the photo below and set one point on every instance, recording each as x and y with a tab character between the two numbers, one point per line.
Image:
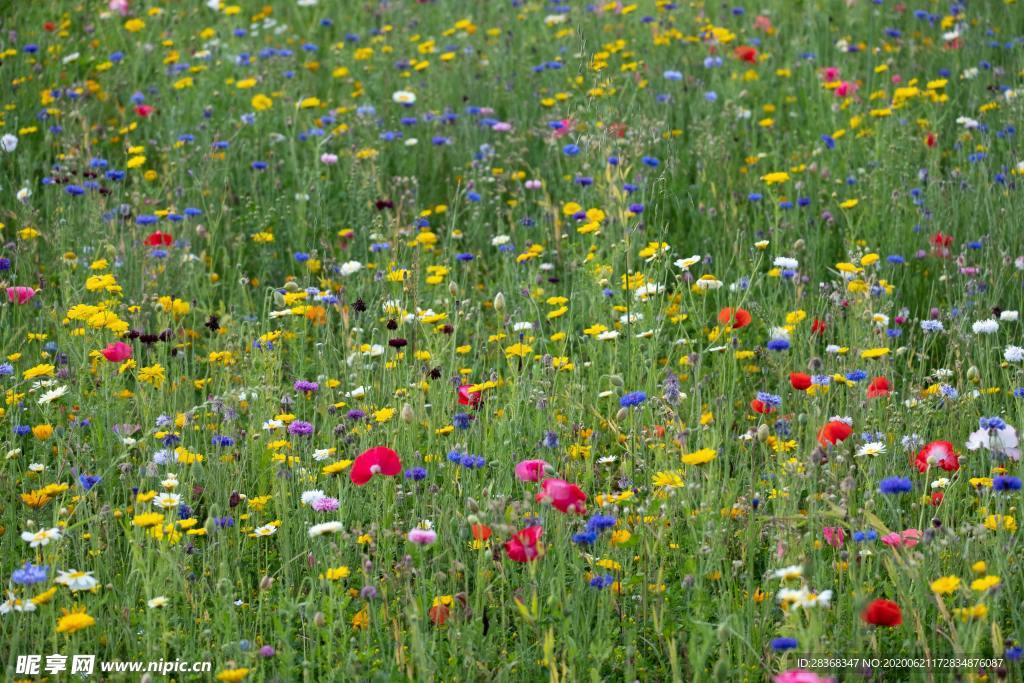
158	601
167	500
23	195
271	425
871	449
1009	316
13	604
311	496
325	528
374	350
985	327
629	318
522	327
358	392
41	537
967	122
789	573
780	333
9	143
36	467
411	142
685	263
647	290
322	454
265	530
350	268
786	263
940	483
607	335
1013	354
52	395
76	580
708	282
403	97
499	240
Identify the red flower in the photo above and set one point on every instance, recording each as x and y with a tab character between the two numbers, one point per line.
818	326
158	239
879	387
941	244
800	380
930	139
881	612
759	406
939	454
377	460
746	53
525	546
144	110
563	496
936	499
49	26
481	532
834	432
469	398
117	352
439	614
737	318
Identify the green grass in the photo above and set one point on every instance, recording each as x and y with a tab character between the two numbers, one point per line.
693	547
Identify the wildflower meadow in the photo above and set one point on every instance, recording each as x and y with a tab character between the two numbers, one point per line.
511	340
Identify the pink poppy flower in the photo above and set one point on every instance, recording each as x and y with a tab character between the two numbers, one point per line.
906	539
563	496
117	352
801	676
20	294
834	536
530	470
377	460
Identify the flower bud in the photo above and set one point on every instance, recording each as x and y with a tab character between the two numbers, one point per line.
499	302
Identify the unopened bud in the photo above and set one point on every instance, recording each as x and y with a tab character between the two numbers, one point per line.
616	380
763	433
407	414
622	414
266	583
319	619
973	374
453	288
499	302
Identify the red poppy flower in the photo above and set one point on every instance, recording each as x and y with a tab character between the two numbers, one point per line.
117	352
800	380
882	612
158	239
936	499
759	406
931	139
563	496
940	240
144	110
481	532
469	398
377	460
439	614
525	545
746	53
818	326
834	432
879	387
937	454
736	318
49	26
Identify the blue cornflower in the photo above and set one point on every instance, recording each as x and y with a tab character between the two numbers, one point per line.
602	581
782	644
1005	482
88	480
462	420
585	537
600	522
778	344
857	376
770	400
895	485
632	399
869	535
30	573
416	473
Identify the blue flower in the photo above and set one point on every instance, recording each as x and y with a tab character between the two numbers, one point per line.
778	345
600	522
895	485
1006	482
585	537
602	581
632	399
416	473
782	644
462	421
88	480
30	574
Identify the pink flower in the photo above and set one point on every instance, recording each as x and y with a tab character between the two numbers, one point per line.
834	536
846	88
325	504
422	536
907	539
502	127
530	470
377	460
563	496
830	74
20	295
117	352
329	159
801	676
119	6
525	545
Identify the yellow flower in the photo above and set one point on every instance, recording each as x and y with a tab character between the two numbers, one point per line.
997	522
945	585
74	621
134	25
232	675
361	619
44	370
152	374
42	432
874	353
774	178
261	102
700	457
147	519
518	350
984	583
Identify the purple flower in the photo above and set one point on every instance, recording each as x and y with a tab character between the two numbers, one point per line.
300	428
